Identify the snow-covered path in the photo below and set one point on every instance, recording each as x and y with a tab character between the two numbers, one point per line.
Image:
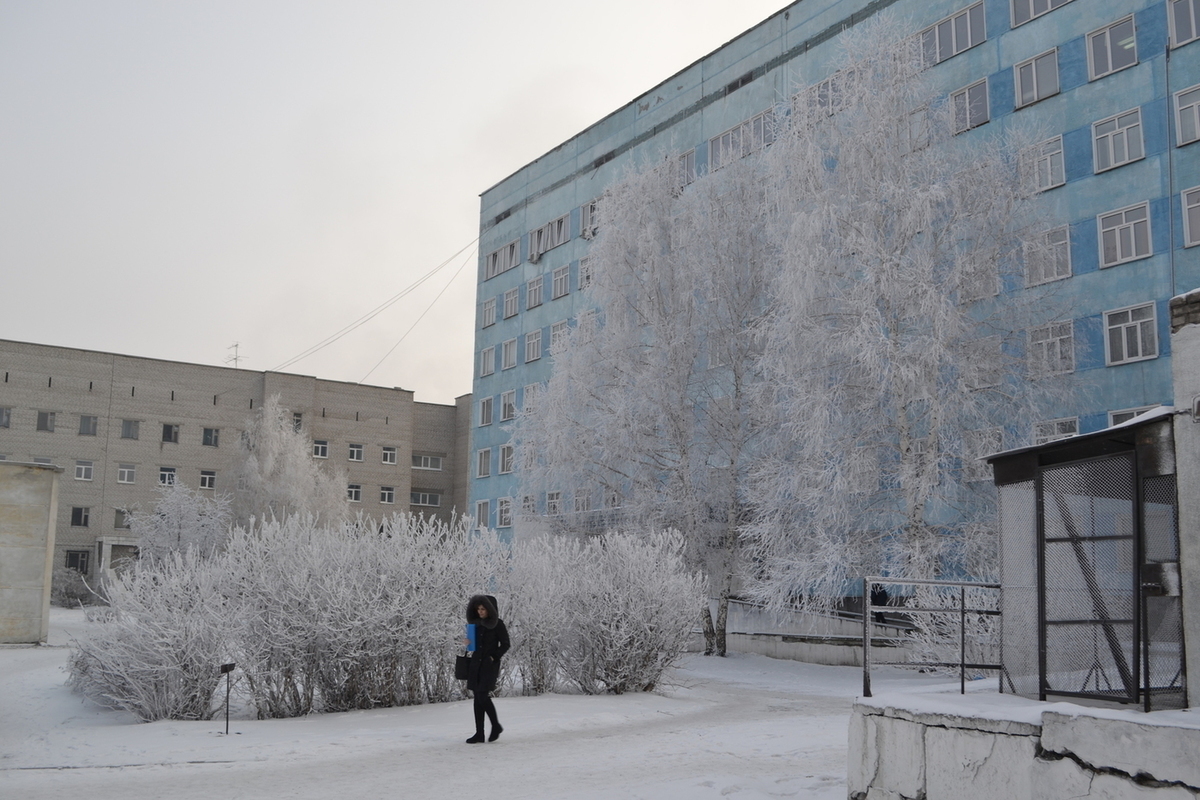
745	726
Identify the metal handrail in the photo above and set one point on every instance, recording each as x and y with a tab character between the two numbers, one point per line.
870	582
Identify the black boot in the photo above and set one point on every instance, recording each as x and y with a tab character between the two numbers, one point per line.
497	729
476	739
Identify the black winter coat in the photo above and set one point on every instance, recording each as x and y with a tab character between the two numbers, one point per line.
491	643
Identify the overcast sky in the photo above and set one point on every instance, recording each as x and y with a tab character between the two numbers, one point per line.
176	177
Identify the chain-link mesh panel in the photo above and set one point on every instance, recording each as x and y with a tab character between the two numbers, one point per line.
1163	621
1019	598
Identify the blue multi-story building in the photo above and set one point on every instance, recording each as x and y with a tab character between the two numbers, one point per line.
1115	85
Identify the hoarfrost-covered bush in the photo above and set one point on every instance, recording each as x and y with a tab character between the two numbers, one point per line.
182	518
543	567
157	652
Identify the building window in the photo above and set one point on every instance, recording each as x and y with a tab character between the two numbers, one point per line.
1118	140
976	445
83	470
1037	78
1055	429
5	417
741	140
1045	164
1185	21
1187	112
506	459
508	405
387	495
487	361
1131	334
549	236
320	448
78	561
483	514
1191	217
211	437
121	519
504	512
528	505
508	354
502	259
1112	48
356	452
530	397
1049	257
45	421
126	473
354	492
954	34
583	501
485	411
297	421
483	465
427	462
488	313
558	335
533	292
560	282
1052	349
553	503
1025	10
419	498
589	221
80	516
208	479
129	429
1117	417
512	302
533	346
585	272
88	425
970	106
1124	235
170	433
389	455
166	476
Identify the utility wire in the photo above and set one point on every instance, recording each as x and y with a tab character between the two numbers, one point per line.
461	266
365	318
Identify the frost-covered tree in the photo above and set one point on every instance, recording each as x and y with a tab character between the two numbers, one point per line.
276	475
181	519
892	350
648	414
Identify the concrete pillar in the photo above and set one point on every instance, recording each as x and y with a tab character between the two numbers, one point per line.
1185	372
28	511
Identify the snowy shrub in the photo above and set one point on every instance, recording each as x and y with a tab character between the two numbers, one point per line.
157	650
182	518
628	608
69	589
543	567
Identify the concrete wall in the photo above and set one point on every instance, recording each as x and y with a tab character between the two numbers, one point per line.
1185	343
1001	747
28	508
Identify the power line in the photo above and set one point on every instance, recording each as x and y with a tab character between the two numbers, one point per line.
365	318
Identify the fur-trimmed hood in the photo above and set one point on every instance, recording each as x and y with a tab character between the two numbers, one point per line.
488	602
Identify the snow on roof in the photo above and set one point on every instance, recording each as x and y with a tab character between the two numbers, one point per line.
1161	412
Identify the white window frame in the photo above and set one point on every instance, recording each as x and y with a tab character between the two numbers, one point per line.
354	492
508	354
1187	116
549	236
558	334
533	346
1045	253
5	416
433	463
483	514
130	429
1032	79
529	398
961	102
84	470
504	512
45	421
167	476
208	479
512	302
210	437
428	499
485	411
585	272
1052	430
582	500
355	452
502	259
748	136
1031	7
560	282
487	361
508	405
387	495
487	314
1051	349
483	463
687	168
1104	37
1144	329
507	459
1046	164
126	473
553	504
389	455
1125	232
320	448
1188	12
589	220
533	292
1122	145
1127	413
1190	200
955	34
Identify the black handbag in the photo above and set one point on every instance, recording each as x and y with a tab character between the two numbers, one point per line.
462	666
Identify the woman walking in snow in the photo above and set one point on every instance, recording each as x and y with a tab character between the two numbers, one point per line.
491	643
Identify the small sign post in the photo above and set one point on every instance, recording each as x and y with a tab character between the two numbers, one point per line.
226	669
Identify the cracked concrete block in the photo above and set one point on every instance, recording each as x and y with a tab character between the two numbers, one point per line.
896	748
1060	778
858	769
1163	752
883	794
982	766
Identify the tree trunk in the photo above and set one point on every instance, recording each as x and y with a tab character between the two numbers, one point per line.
710	634
723	610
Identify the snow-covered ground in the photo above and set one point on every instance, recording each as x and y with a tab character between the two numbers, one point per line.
743	726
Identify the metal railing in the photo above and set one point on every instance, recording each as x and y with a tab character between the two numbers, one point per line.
961	609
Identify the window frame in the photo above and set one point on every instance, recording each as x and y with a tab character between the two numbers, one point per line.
487	313
170	433
1132	412
320	448
388	450
426	462
483	514
976	444
508	405
504	512
935	57
84	470
1132	226
558	334
507	460
533	291
1046	247
746	138
545	238
131	429
965	93
1039	366
210	437
1041	159
1138	325
354	492
78	560
533	345
387	495
1110	48
208	479
126	473
1119	133
167	476
45	421
1050	6
1040	439
427	499
508	354
486	407
89	424
1194	113
483	462
1040	92
5	416
1191	233
512	302
585	272
355	452
1194	7
554	504
487	361
81	516
502	259
560	282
